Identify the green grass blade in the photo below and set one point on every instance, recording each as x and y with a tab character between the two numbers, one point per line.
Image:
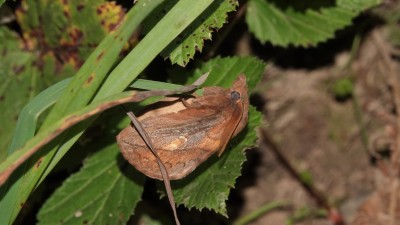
153	85
54	130
27	120
26	124
171	25
81	89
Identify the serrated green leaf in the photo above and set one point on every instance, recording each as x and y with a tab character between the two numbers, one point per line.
223	71
100	193
192	39
209	185
301	23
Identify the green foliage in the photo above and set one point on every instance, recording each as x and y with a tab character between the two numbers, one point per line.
343	88
48	52
104	191
63	33
19	82
225	70
209	185
192	38
301	23
306	177
213	180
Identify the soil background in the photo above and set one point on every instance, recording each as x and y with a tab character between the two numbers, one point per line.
342	142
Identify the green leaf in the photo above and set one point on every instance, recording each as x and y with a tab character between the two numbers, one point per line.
48	52
100	193
18	79
64	34
223	71
209	185
343	88
192	38
301	23
27	120
62	41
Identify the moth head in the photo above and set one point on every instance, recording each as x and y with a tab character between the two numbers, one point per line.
240	96
235	96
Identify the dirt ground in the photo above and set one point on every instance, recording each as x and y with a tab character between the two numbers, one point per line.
345	147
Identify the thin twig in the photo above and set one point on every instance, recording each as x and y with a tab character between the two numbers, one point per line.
163	169
333	214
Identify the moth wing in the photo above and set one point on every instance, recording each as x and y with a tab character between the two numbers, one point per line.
180	140
226	133
184	130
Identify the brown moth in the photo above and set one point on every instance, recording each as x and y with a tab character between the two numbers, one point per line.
185	132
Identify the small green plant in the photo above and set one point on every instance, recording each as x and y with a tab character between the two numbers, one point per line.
343	88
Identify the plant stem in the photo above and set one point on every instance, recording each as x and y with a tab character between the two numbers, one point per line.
259	212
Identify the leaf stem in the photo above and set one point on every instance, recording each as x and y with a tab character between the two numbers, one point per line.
259	212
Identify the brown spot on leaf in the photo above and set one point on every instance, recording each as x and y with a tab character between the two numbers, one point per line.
80	7
18	69
85	222
75	34
100	56
110	15
2	98
22	204
90	79
99	10
67	14
38	163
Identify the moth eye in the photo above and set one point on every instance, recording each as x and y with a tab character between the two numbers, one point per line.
235	95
